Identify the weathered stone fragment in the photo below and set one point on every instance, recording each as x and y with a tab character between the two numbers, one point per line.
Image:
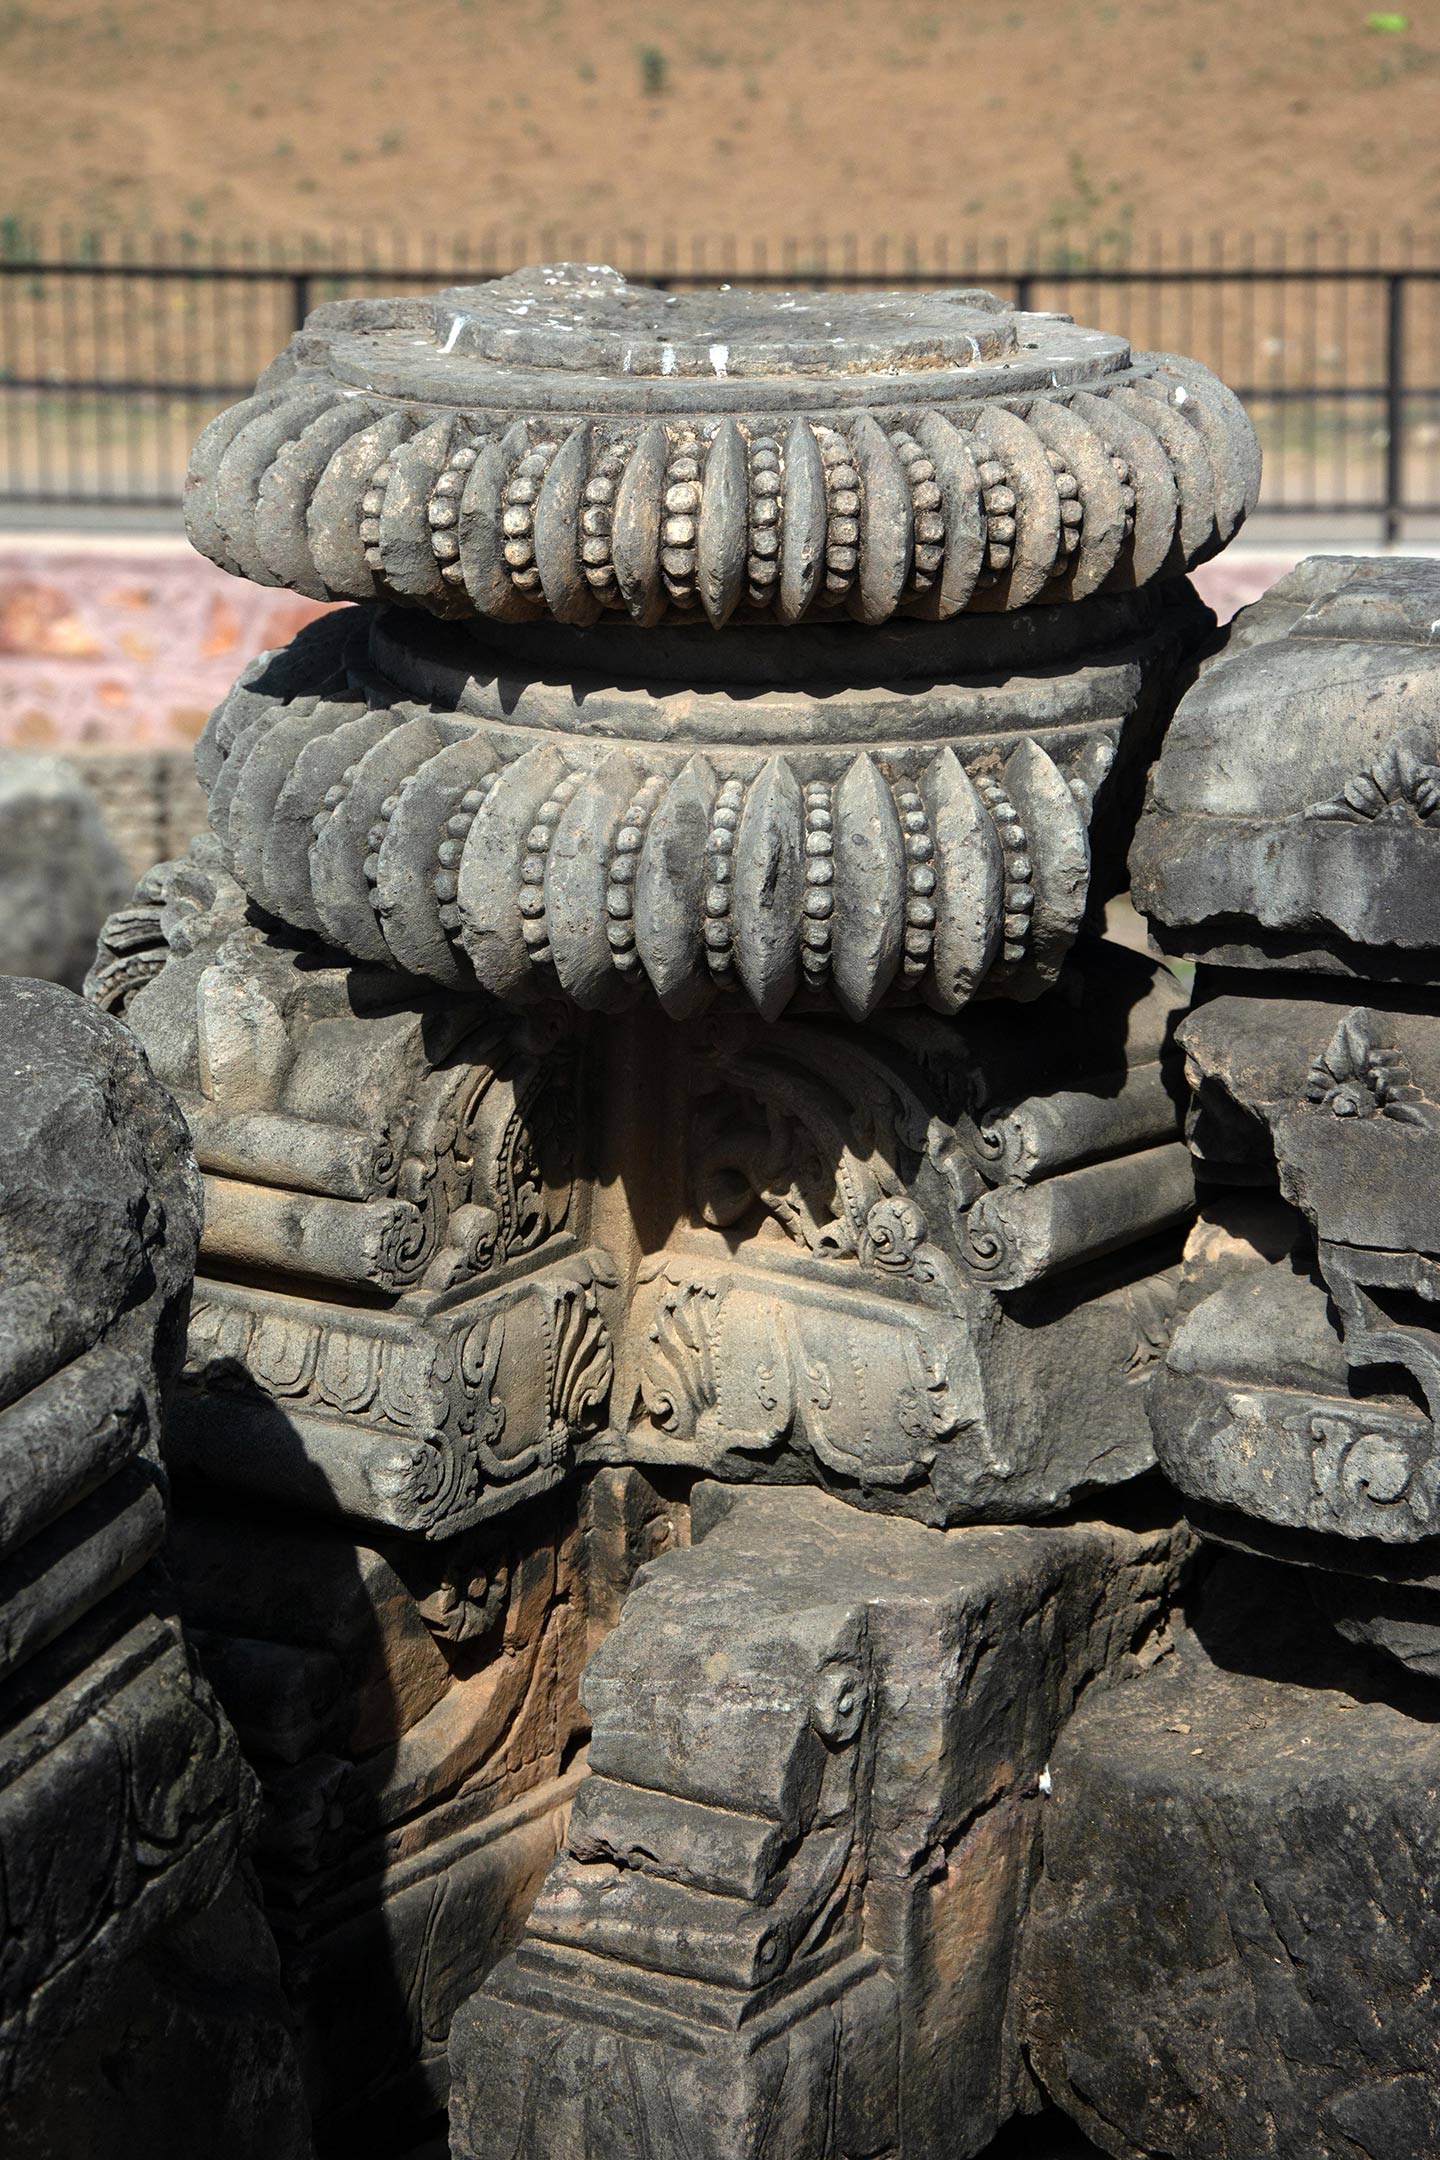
1231	1941
641	1018
1291	818
60	872
795	1876
124	1802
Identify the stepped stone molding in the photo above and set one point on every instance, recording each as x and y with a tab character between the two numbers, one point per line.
817	1761
412	1158
454	813
561	443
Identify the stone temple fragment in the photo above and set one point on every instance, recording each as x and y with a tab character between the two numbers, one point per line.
1255	1824
669	1116
137	1977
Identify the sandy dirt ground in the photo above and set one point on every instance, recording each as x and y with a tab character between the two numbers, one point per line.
833	118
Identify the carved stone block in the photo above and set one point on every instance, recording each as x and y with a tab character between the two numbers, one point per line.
124	1801
795	1876
641	1016
1306	842
1230	1946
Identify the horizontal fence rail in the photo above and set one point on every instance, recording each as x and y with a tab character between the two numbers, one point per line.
111	365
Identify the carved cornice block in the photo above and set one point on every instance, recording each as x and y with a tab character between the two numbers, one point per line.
1291	820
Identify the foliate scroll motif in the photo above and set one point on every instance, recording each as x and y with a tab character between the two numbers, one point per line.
741	1364
878	1152
1403	783
488	1155
1358	1076
853	1153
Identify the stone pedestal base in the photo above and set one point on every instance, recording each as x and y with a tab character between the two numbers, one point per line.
786	1919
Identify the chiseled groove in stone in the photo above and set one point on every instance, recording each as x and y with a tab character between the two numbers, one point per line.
680	508
620	900
887	523
867	898
721	528
442	510
928	519
1022	511
419	855
288	487
802	528
339	852
1156	505
480	529
520	499
842	514
1194	482
1047	876
765	516
335	521
1099	528
500	889
577	881
962	516
259	444
670	887
635	531
969	869
568	593
201	522
303	807
767	888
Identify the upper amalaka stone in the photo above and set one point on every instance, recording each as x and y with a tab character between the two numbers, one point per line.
562	443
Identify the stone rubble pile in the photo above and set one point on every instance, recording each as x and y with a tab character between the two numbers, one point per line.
810	1500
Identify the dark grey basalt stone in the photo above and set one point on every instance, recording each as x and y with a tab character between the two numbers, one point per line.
1292	818
788	1914
124	1802
1231	1939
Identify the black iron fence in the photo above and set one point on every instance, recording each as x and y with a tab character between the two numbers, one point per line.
110	363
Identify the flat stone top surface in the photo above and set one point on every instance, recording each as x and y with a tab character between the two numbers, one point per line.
557	335
581	316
